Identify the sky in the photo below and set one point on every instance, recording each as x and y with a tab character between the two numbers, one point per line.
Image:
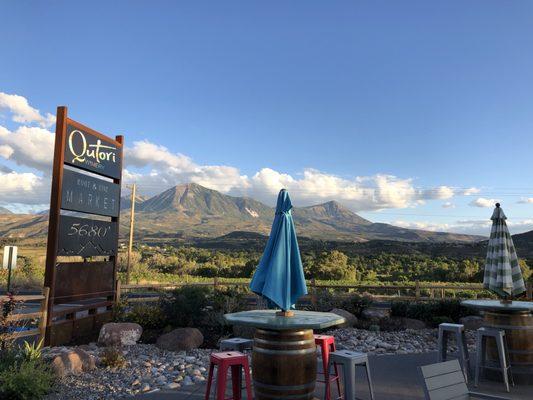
414	113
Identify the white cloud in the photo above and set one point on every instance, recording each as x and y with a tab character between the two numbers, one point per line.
468	227
483	202
448	204
525	200
23	187
23	113
470	191
29	146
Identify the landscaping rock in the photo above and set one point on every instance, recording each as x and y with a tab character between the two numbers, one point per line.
351	319
472	322
375	313
411	323
181	339
120	334
73	362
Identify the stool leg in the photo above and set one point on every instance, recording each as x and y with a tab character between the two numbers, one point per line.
236	381
480	350
209	380
462	355
503	361
336	369
508	359
325	365
221	381
439	345
349	381
248	380
467	355
370	386
443	345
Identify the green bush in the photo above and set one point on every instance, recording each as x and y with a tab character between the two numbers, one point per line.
356	304
22	379
186	306
430	312
112	357
149	316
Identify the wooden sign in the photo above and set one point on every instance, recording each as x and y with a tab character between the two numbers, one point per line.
91	151
86	152
85	193
86	237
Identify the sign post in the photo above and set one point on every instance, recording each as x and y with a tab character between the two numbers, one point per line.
86	179
9	262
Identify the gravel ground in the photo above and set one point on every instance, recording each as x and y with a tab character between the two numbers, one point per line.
149	368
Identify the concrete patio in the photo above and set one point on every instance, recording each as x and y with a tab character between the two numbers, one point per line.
395	377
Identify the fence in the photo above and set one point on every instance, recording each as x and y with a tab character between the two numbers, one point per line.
29	317
415	291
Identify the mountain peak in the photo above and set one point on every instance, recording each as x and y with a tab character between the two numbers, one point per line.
333	210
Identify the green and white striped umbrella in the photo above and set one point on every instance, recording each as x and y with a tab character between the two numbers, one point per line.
502	272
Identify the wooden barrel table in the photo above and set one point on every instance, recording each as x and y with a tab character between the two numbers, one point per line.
284	364
516	319
518	327
284	360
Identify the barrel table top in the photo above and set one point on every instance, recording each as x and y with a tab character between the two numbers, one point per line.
267	319
497	306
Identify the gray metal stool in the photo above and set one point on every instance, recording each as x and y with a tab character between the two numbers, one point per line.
349	360
458	330
236	344
503	355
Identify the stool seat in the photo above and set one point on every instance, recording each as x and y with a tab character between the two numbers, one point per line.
349	360
503	354
458	330
238	362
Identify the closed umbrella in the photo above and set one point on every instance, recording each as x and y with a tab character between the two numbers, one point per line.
502	272
279	276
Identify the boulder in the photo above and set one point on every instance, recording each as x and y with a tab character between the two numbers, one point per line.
472	322
73	362
351	319
119	334
180	339
411	323
375	314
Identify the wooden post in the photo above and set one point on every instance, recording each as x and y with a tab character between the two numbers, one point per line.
442	294
417	290
130	243
530	291
215	282
118	292
44	313
53	220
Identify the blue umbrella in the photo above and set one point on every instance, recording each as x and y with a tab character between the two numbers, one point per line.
280	275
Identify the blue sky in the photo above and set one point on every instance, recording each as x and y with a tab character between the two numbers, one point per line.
396	109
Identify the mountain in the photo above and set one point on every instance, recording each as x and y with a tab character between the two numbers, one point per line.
192	211
125	201
4	210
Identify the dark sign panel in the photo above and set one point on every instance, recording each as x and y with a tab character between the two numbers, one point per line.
92	153
80	280
86	237
88	194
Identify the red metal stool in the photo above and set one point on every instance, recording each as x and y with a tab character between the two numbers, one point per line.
224	360
327	345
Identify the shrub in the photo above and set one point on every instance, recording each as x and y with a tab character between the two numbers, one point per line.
149	316
33	352
112	357
186	306
429	312
356	304
22	379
